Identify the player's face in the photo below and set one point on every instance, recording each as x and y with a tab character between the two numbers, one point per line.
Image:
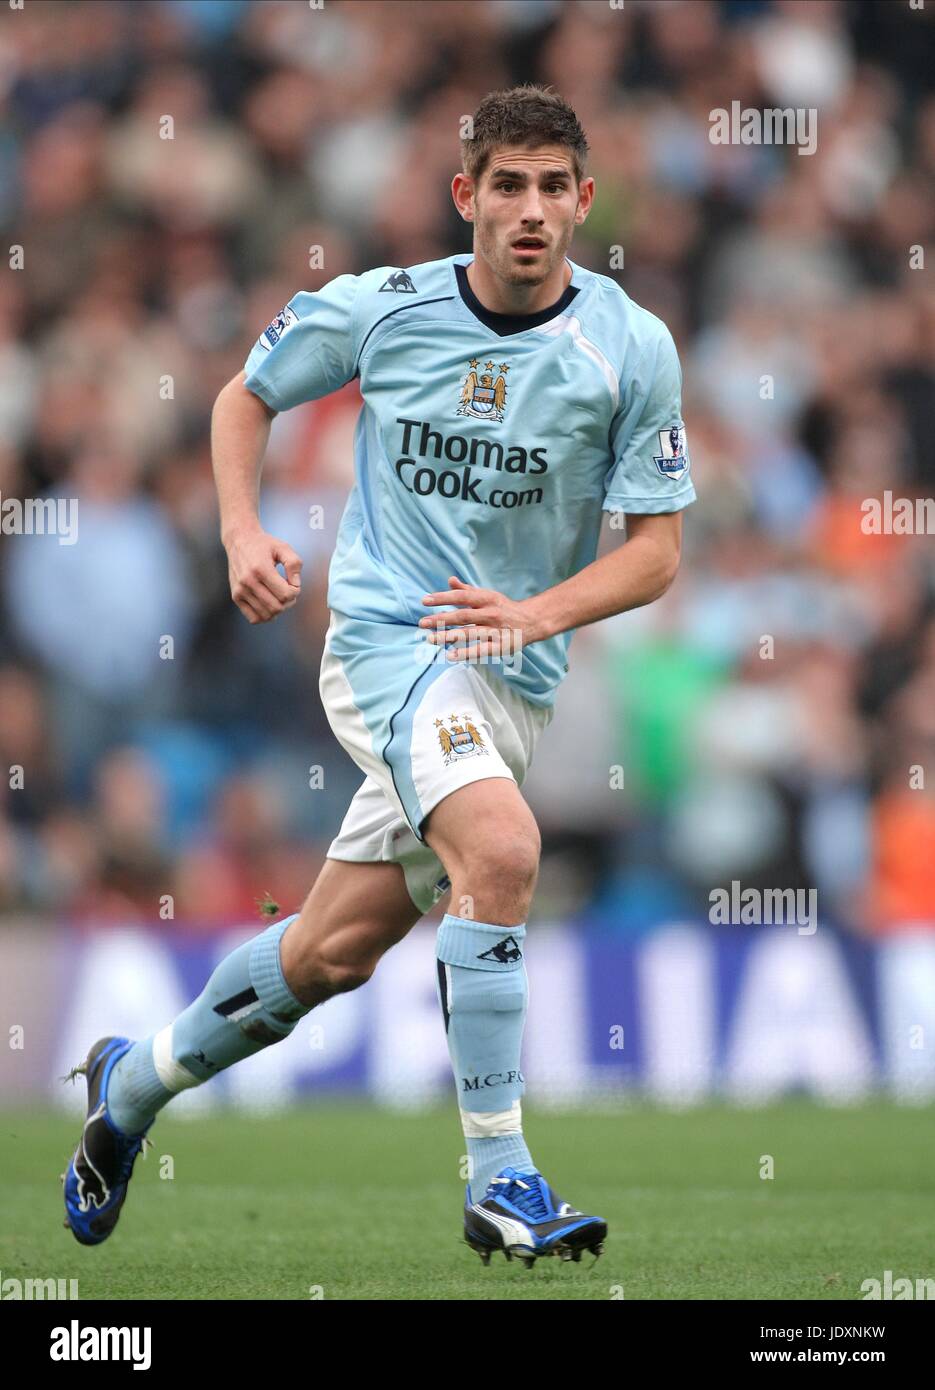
527	203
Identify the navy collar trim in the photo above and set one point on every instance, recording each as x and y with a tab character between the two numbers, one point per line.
504	324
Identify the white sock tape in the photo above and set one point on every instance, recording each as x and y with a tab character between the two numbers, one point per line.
171	1073
488	1124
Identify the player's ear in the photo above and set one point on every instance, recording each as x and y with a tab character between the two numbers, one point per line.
462	191
585	199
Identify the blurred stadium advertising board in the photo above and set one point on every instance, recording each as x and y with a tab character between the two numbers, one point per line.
683	1014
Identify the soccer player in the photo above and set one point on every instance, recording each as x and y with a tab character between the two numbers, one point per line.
509	398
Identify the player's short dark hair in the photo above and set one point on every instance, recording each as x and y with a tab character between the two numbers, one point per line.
529	115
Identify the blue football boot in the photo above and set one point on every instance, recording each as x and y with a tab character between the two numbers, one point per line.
96	1178
521	1215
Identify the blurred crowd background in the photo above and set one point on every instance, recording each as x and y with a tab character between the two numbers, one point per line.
773	716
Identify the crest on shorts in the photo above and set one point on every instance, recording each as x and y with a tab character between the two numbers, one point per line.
483	395
459	738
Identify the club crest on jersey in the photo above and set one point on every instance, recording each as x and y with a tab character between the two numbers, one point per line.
459	738
673	462
483	396
286	318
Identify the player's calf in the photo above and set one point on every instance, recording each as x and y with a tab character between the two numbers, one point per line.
350	919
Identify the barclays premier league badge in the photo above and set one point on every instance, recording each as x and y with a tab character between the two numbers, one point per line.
286	318
673	461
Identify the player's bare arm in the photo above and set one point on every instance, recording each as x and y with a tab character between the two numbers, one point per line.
240	425
636	573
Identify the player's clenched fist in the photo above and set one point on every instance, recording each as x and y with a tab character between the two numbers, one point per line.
257	587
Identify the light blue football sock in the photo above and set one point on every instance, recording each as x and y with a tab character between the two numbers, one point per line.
483	993
245	1006
488	1157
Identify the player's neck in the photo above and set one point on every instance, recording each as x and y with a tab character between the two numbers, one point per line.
502	298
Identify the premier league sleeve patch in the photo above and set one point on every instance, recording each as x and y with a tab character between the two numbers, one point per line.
673	461
286	318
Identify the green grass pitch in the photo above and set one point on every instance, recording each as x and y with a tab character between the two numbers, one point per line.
346	1201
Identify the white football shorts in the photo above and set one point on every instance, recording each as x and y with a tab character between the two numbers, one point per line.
419	727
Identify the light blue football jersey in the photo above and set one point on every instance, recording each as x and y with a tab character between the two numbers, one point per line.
488	444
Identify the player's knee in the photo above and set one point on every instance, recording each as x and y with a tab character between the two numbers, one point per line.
509	859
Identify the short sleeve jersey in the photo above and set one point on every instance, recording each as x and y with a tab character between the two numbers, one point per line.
488	445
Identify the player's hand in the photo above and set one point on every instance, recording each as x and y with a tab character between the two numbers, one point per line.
487	623
257	587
